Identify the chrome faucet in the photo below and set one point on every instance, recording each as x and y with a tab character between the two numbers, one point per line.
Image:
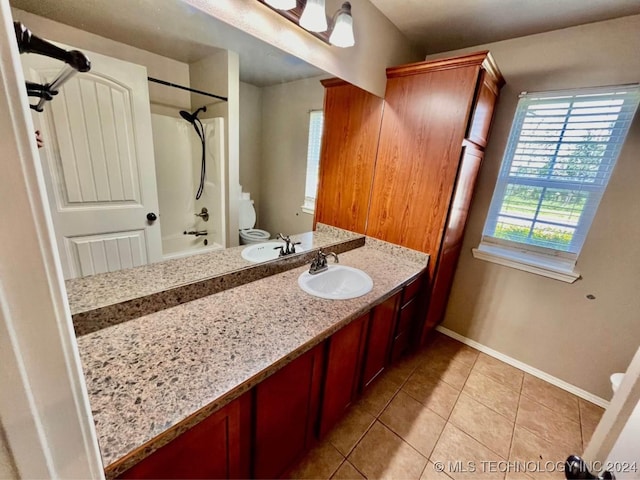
288	248
197	233
319	263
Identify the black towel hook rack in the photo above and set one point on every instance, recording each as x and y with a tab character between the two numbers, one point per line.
75	61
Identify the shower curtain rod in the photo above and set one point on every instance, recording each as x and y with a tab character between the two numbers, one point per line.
181	87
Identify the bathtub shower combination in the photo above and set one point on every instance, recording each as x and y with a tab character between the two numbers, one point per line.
182	176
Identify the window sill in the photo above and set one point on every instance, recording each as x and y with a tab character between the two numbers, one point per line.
309	210
551	267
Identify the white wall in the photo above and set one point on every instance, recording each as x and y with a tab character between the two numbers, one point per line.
545	323
379	44
220	74
7	468
251	141
285	136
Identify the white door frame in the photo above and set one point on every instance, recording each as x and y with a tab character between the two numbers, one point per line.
601	448
44	406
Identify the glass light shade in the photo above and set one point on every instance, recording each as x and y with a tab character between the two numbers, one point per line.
282	4
342	34
314	17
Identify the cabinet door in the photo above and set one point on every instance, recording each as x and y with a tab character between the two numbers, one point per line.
352	119
452	243
482	116
423	127
286	408
406	320
380	335
217	447
344	359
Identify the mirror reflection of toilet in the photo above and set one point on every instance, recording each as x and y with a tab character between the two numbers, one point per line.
247	220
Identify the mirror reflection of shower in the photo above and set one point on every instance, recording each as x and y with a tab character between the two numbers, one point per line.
179	169
193	119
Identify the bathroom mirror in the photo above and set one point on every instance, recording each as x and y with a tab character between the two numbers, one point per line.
256	142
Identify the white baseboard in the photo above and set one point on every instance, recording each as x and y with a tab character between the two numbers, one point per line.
601	402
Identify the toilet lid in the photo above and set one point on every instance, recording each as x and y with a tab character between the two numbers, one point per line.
246	215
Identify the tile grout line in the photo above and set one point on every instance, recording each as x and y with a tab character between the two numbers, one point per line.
554	410
339	466
375	419
515	422
489	406
454	406
581	428
545	440
486	406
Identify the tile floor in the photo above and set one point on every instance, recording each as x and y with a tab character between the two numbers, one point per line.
450	403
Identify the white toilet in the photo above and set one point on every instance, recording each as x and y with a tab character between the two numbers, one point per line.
247	220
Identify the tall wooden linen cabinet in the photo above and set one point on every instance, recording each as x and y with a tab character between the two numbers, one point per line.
403	168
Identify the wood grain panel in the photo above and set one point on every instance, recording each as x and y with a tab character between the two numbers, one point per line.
452	242
420	145
285	409
211	449
352	120
485	103
379	338
344	358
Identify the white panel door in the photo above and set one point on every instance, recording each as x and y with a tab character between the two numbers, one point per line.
99	165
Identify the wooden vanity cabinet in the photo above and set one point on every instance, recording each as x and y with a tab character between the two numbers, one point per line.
285	411
408	316
345	352
379	338
217	447
435	125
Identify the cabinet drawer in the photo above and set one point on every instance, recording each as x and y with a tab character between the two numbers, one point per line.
411	290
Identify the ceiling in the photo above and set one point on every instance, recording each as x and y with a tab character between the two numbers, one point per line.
173	29
443	25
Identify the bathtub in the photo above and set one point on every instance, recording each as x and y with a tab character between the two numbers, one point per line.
180	246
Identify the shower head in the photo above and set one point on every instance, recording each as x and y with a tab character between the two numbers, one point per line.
192	117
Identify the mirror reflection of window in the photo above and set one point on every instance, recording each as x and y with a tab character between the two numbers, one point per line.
316	123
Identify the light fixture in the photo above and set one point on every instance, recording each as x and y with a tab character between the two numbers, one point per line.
342	34
282	4
313	17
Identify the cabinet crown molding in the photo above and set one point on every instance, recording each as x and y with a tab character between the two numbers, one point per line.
484	59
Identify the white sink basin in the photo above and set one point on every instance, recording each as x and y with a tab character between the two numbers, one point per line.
262	252
339	282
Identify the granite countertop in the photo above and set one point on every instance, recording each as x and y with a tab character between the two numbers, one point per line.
151	378
105	289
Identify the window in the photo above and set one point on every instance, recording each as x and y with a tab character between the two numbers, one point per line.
561	152
316	122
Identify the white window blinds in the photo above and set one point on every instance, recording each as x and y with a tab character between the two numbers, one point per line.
316	122
561	151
